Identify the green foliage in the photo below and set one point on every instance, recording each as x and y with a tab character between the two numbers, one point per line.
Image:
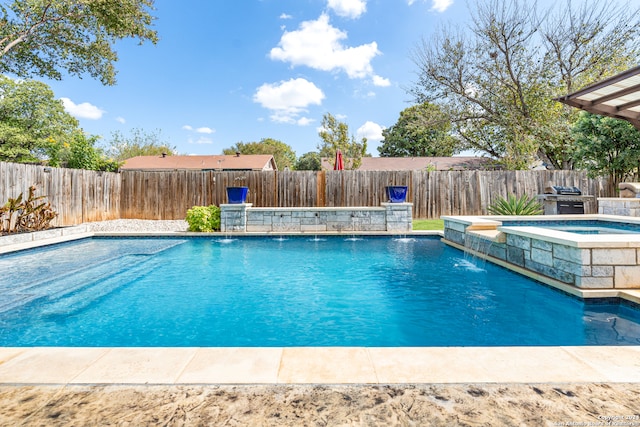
512	205
31	214
282	153
310	161
138	143
204	218
335	136
46	37
421	131
606	146
80	152
498	80
30	120
34	127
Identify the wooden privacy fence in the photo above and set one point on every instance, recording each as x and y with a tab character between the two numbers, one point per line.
83	196
168	195
77	195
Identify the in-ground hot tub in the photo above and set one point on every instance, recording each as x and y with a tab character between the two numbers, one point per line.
592	226
586	252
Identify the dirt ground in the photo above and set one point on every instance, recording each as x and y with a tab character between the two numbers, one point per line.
309	405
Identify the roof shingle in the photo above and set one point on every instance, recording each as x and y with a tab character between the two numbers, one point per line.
419	163
214	162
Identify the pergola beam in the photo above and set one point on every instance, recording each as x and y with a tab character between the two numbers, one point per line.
617	94
617	97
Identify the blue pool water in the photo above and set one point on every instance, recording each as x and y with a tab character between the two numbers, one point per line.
293	292
593	226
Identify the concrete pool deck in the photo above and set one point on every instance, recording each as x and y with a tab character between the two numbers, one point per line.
318	365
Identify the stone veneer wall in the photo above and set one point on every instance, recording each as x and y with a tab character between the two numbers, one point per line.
13	239
588	268
390	217
619	206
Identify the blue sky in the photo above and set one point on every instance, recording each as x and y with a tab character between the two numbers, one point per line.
228	71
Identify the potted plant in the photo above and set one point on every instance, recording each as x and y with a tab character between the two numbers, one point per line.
397	193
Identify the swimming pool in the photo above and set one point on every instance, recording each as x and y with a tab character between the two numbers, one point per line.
300	291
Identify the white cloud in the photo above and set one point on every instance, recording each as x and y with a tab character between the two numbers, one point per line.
205	130
437	5
304	121
121	120
285	16
348	8
441	5
289	99
200	130
381	81
317	44
370	130
83	110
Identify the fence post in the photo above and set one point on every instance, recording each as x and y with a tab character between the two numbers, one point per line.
321	187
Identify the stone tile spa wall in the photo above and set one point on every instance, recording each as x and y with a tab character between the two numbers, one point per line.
595	266
619	206
390	217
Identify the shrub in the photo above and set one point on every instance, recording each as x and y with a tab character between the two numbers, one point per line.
513	205
204	218
31	214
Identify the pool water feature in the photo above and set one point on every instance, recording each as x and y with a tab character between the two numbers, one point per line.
256	292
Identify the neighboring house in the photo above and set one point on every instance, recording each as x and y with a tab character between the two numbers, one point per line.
237	162
420	163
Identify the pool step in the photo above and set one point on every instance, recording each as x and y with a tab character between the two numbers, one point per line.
19	282
28	284
77	300
53	288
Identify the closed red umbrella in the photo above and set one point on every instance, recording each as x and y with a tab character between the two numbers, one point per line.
339	164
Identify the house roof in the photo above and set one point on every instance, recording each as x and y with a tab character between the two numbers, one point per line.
617	96
256	162
419	163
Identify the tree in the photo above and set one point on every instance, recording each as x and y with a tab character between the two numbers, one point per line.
45	37
607	146
310	161
79	151
282	153
83	153
421	131
335	136
138	143
31	120
498	79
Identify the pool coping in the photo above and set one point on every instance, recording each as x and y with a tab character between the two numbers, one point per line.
309	365
318	365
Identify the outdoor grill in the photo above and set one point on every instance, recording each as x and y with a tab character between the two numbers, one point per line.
565	191
562	200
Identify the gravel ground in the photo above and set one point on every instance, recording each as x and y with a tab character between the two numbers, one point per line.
134	225
309	405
